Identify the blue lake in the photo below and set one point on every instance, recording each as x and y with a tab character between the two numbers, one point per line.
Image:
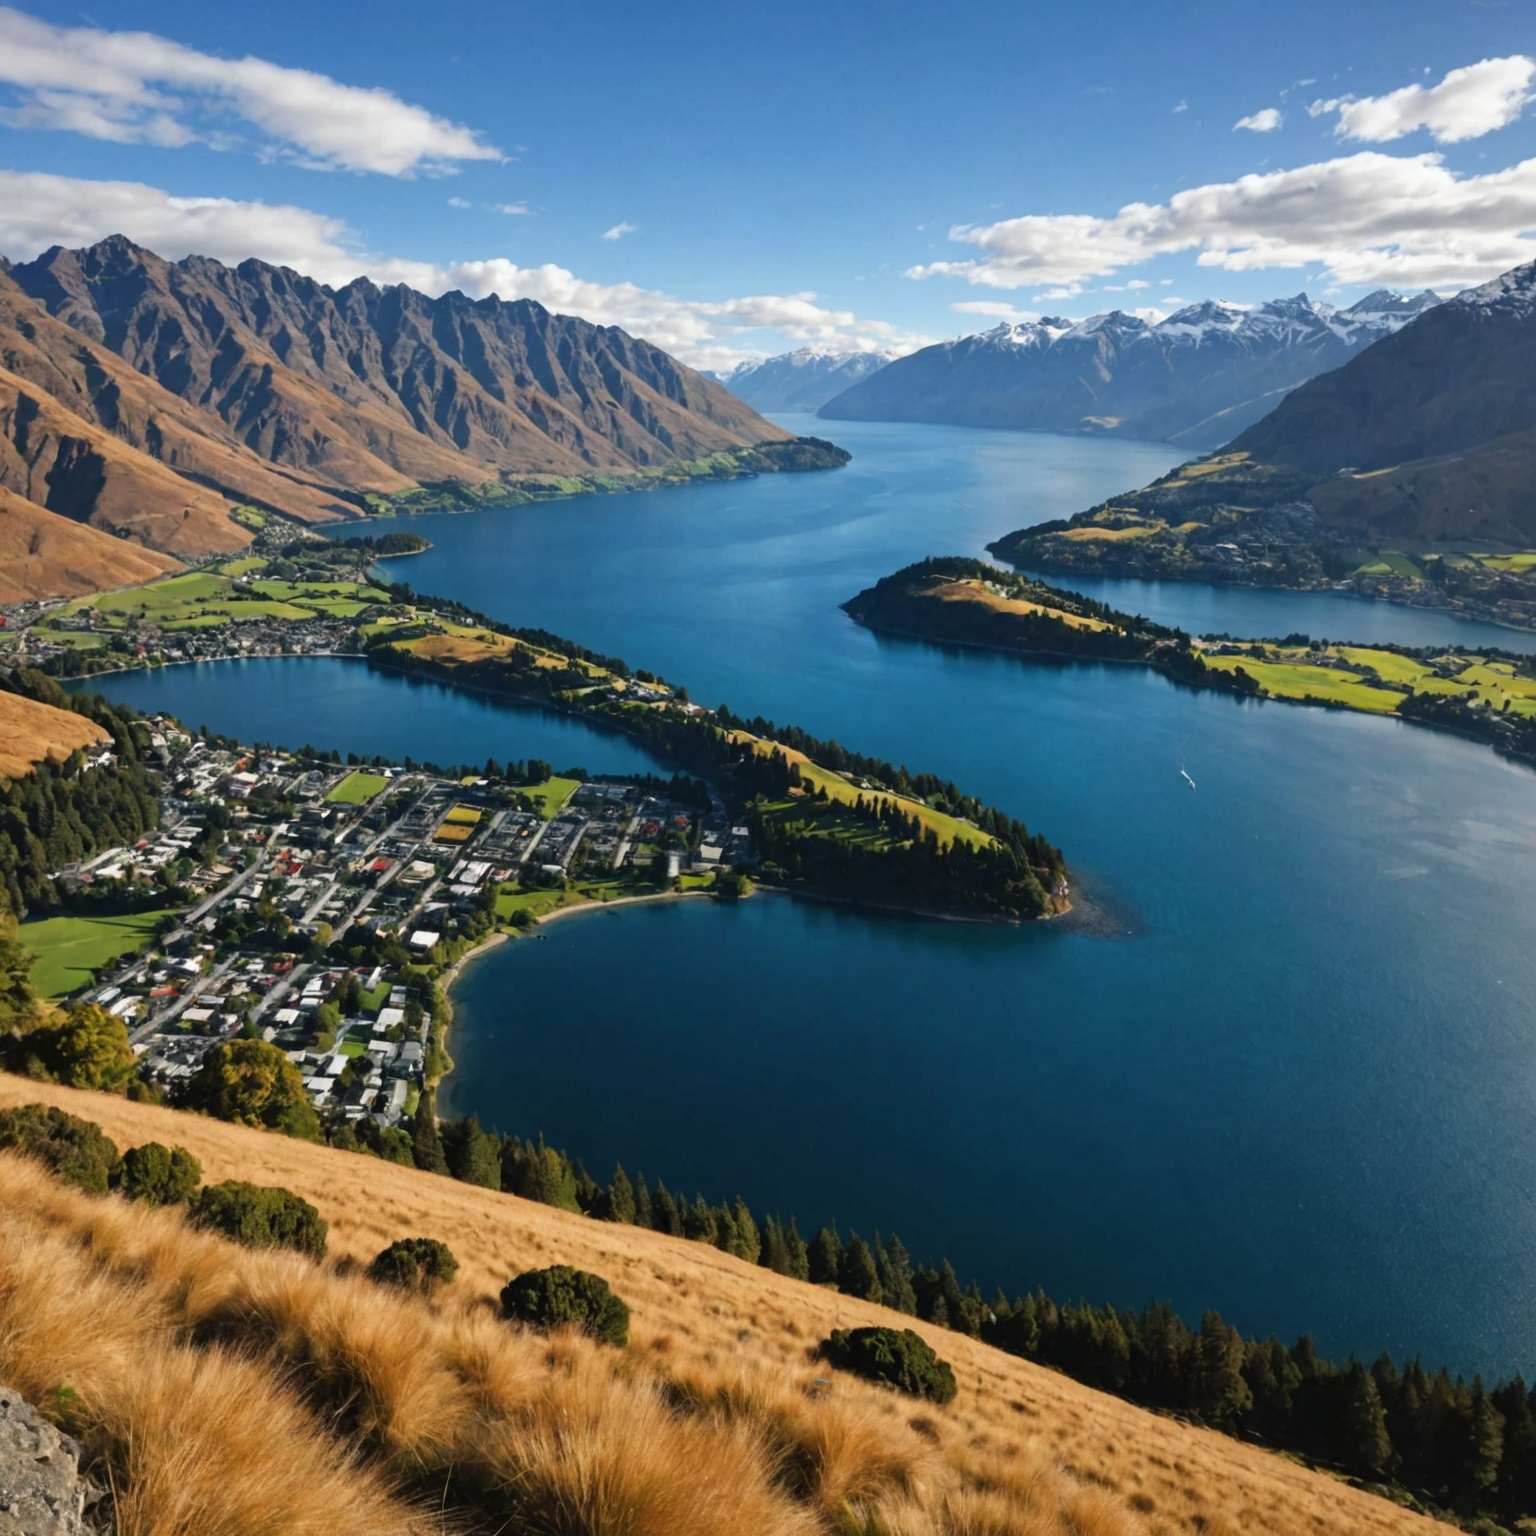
1288	1069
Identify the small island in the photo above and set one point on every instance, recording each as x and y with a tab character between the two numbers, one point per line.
1487	694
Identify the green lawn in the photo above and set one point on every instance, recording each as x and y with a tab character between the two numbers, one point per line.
1296	680
202	599
550	795
1387	665
598	889
358	788
374	1000
509	900
1392	562
70	950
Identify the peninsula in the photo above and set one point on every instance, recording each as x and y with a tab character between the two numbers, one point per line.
1404	474
798	812
1487	694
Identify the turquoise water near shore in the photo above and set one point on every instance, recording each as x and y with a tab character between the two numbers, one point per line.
1282	1064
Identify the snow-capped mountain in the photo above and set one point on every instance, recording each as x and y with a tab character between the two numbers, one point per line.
803	380
1197	378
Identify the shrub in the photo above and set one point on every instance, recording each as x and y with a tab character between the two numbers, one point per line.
260	1217
899	1358
85	1048
415	1264
157	1174
75	1150
253	1083
550	1298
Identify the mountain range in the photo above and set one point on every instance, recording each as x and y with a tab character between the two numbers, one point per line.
142	399
1424	442
803	380
1196	378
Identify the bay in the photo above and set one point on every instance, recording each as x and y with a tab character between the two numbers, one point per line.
1286	1071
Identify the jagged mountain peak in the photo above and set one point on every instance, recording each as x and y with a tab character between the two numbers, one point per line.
802	380
1197	377
255	383
1513	290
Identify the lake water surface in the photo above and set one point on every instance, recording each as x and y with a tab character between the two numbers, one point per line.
1290	1070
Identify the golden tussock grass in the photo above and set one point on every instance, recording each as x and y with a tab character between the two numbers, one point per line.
230	1391
30	732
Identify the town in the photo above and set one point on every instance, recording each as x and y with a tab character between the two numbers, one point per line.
329	904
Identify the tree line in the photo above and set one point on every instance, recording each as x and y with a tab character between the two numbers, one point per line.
63	812
1461	1445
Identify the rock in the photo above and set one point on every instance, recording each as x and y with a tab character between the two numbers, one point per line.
42	1492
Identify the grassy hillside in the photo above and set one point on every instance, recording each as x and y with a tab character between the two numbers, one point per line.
44	554
241	1393
31	732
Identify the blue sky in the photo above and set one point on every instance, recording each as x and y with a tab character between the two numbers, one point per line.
838	174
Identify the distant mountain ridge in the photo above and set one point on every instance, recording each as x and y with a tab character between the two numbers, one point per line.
1196	378
803	380
146	398
1424	443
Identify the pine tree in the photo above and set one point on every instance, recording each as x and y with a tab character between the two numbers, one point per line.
746	1242
1362	1442
473	1154
700	1223
857	1274
799	1254
426	1142
619	1201
665	1216
775	1250
826	1256
895	1268
1221	1394
644	1216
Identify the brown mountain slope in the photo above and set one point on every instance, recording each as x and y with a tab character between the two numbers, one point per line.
369	388
1426	438
30	732
71	466
1429	434
99	386
711	1423
43	554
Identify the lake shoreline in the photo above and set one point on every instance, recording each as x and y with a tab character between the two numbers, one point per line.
1029	653
1062	575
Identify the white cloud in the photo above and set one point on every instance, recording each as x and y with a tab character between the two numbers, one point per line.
1265	120
1136	285
618	231
460	202
38	210
1468	103
1183	106
992	310
1365	218
512	210
137	88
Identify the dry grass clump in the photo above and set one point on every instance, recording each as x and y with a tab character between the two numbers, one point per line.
190	1441
232	1391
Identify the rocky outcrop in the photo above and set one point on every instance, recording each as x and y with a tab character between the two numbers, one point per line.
42	1492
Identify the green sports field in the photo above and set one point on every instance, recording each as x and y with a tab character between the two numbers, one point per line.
358	788
70	950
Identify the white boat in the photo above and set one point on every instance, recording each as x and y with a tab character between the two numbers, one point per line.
1183	774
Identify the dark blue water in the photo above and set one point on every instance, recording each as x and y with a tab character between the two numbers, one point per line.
341	705
1296	1085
